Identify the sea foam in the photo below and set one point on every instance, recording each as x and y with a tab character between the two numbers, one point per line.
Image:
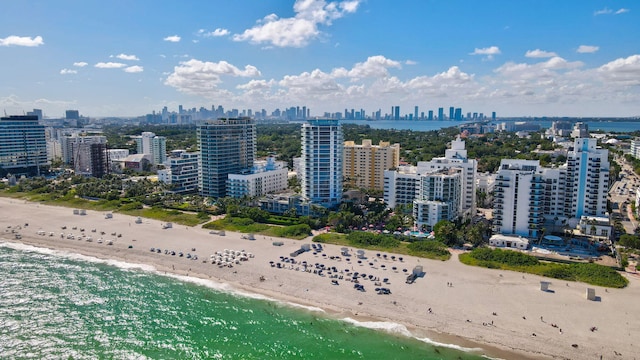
399	329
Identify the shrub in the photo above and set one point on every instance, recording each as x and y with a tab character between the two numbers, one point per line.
429	246
131	206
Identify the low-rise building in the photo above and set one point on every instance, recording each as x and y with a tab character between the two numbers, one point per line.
181	172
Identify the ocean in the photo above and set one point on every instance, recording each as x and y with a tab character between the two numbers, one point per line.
58	305
615	126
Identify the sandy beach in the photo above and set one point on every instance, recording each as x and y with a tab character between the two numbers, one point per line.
502	313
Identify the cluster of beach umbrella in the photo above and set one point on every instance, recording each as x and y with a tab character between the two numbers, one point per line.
228	257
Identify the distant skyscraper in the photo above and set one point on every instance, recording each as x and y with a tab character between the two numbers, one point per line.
396	113
72	114
493	116
322	154
430	114
227	146
440	114
36	112
415	113
23	147
458	114
451	112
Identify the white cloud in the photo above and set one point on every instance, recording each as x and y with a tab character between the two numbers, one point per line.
375	66
492	50
134	69
127	57
202	77
607	11
602	12
623	70
587	49
257	85
80	64
489	52
215	33
21	41
68	71
297	31
172	38
410	62
537	53
109	65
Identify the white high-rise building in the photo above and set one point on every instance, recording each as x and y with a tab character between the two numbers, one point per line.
528	196
587	179
438	198
456	158
322	153
518	198
23	148
152	145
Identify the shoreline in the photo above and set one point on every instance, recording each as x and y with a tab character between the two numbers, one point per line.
458	310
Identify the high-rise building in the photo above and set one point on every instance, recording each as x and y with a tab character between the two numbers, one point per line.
72	114
527	195
493	116
86	159
227	146
396	113
415	113
458	114
322	153
154	146
430	115
456	157
440	114
451	112
364	165
587	181
438	198
23	148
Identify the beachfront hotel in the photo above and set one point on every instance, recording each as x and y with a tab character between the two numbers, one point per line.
456	158
438	198
227	146
267	176
364	165
23	146
528	197
181	171
417	185
322	157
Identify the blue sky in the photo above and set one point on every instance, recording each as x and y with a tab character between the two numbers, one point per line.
127	58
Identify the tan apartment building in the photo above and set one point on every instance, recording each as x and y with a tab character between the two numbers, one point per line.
364	165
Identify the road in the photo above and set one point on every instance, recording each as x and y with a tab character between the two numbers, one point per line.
622	194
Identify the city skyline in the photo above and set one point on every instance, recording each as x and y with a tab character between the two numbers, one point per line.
538	58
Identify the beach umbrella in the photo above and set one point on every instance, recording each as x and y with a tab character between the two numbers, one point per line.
378	254
394	268
404	270
359	262
400	258
393	257
383	266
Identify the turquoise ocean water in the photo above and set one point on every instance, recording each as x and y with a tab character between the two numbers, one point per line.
62	306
